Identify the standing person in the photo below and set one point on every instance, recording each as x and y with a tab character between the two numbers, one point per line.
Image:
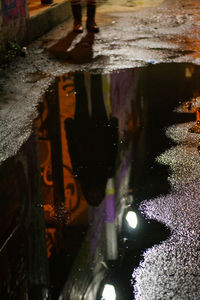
77	14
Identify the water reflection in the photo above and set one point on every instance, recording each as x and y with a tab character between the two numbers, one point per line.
109	292
194	106
132	219
85	158
77	157
98	137
92	139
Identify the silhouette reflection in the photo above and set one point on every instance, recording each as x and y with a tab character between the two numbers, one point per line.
92	140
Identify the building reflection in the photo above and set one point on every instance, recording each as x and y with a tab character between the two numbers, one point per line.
100	148
143	108
83	121
193	104
78	141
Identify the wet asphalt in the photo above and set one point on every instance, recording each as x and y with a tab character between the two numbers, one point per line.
132	35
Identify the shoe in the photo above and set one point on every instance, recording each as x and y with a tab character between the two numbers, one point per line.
78	28
90	24
76	11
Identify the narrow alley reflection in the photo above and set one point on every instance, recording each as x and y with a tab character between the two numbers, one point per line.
99	136
78	145
86	130
65	206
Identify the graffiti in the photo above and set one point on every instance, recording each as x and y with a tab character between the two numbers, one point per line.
13	9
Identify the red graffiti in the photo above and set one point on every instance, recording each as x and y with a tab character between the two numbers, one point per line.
13	9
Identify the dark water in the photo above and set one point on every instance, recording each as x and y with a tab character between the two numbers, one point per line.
98	137
115	129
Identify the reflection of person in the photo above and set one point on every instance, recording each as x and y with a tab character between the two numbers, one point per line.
92	140
77	14
46	1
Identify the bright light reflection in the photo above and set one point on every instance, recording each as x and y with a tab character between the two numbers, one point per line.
131	218
109	292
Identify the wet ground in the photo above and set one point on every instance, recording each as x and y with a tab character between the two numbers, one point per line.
141	34
137	34
119	169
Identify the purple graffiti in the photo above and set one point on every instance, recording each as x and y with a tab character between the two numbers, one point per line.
110	208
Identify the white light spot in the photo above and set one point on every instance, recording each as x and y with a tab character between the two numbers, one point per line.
109	292
131	218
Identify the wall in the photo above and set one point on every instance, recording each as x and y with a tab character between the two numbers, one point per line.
1	33
13	21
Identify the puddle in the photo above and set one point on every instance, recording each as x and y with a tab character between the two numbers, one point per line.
99	137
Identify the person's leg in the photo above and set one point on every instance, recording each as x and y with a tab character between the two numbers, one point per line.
91	11
77	14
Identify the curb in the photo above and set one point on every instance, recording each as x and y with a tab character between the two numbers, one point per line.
45	21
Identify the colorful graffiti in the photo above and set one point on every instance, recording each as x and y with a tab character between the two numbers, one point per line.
13	9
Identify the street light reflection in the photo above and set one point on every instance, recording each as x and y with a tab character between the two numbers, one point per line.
132	220
108	292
